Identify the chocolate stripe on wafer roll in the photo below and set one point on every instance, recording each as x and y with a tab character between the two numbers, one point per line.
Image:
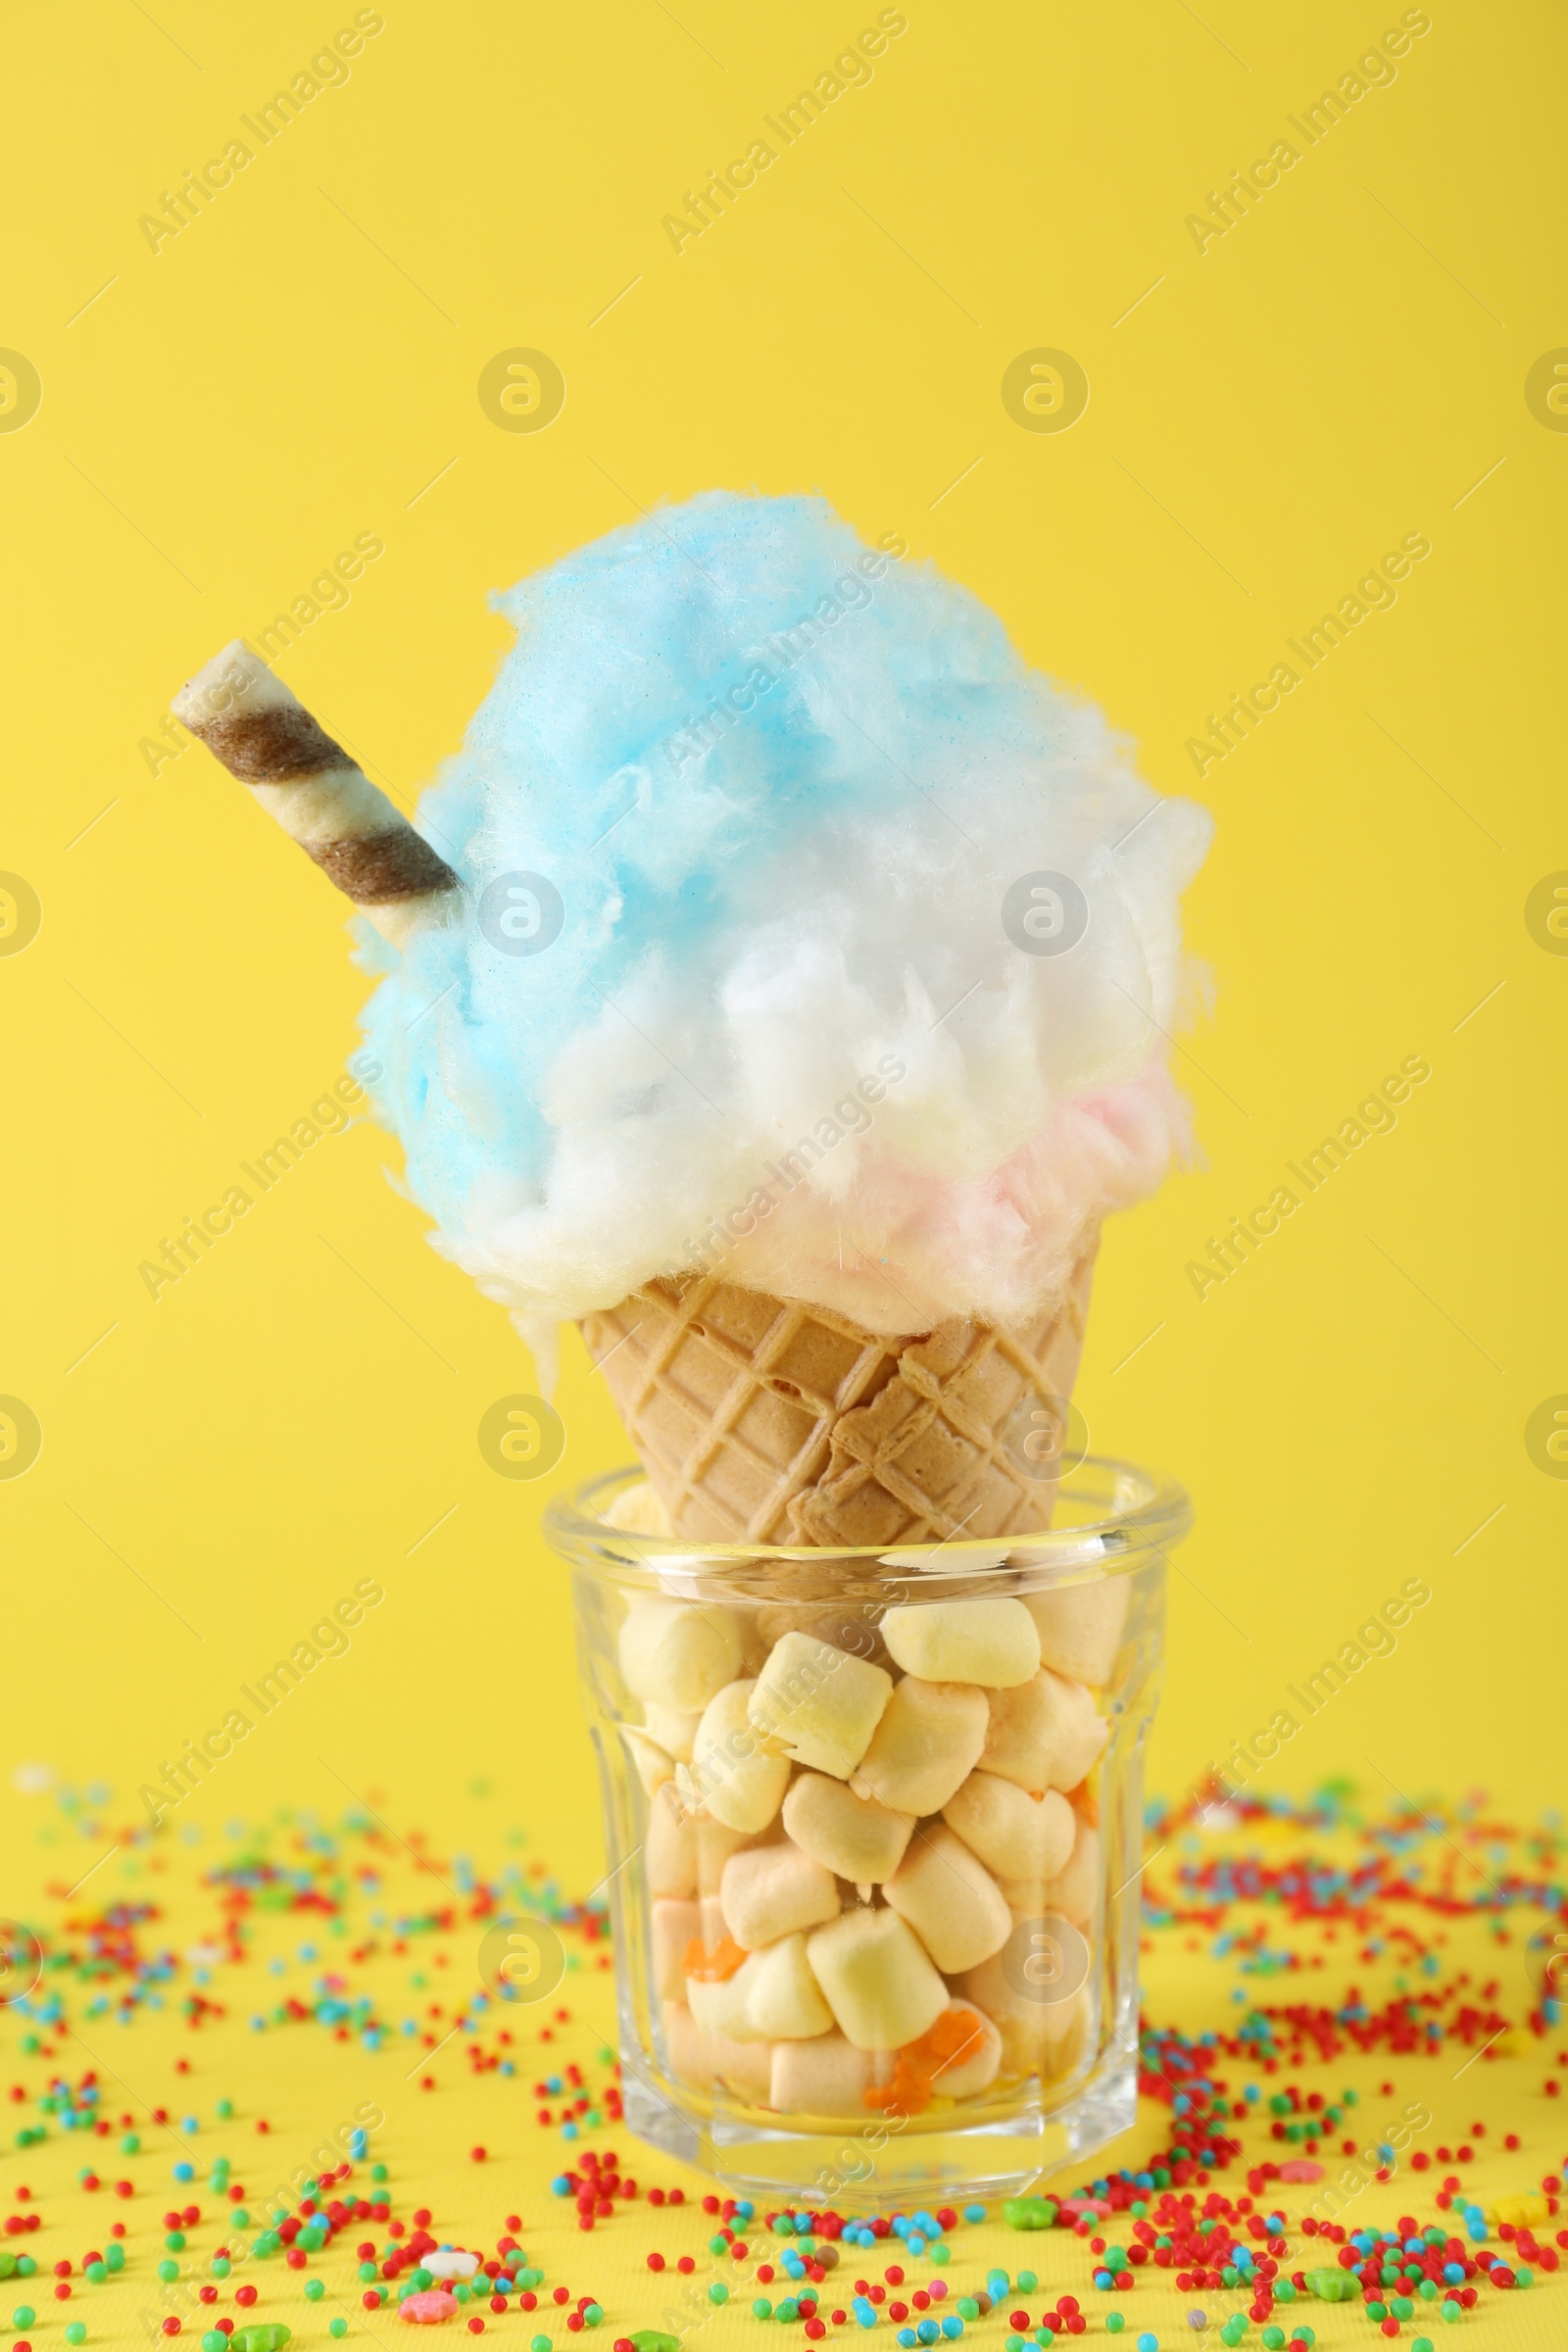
248	720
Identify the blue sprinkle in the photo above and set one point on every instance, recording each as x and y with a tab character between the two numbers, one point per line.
975	2213
185	2171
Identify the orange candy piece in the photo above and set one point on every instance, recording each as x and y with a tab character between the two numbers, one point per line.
917	2065
715	1967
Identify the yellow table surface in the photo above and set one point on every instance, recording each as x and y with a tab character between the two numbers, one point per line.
1445	1912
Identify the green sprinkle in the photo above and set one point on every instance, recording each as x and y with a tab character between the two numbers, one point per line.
379	2172
168	2270
593	2313
315	2289
539	2343
130	2145
221	2267
718	2293
116	2256
24	2316
215	2340
1114	2323
240	2217
337	2327
1027	2282
76	2332
762	2309
968	2308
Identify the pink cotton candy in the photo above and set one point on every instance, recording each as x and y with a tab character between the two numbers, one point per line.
432	2303
909	1248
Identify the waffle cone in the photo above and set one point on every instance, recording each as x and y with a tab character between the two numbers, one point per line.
765	1420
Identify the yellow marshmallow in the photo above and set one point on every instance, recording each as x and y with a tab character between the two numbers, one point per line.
677	1652
951	1900
1080	1627
774	1891
851	1835
928	1742
1016	1835
733	1773
1045	1733
974	2067
670	1847
672	1731
882	1989
819	1703
825	2076
990	1642
673	1926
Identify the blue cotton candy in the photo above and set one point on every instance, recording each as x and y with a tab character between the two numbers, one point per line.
779	786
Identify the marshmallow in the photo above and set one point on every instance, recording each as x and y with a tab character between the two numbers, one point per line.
851	1835
714	1845
742	2067
1075	1893
774	1891
639	1510
672	1926
701	2058
651	1762
1080	1627
1045	1733
951	1900
819	1703
734	1774
670	1846
974	2064
782	1999
448	2262
991	1641
1015	1835
930	1739
879	1984
825	2076
1043	2028
673	1730
678	1653
839	1622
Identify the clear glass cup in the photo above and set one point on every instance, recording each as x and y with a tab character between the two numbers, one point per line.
875	1851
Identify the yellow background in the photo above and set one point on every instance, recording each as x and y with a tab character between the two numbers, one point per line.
1266	417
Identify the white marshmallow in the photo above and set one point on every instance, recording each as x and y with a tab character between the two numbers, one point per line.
447	2262
928	1742
990	1642
1016	1835
718	2004
742	2067
819	1703
670	1847
679	1652
882	1989
672	1926
851	1835
973	2067
1080	1627
734	1774
951	1900
774	1891
673	1730
1045	1733
825	2076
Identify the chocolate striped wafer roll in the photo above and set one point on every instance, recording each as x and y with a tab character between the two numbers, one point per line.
250	720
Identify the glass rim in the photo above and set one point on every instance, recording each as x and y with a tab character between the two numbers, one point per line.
1142	1512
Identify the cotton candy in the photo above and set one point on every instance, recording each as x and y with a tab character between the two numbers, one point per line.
755	1001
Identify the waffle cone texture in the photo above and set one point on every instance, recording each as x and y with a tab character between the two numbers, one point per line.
764	1420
